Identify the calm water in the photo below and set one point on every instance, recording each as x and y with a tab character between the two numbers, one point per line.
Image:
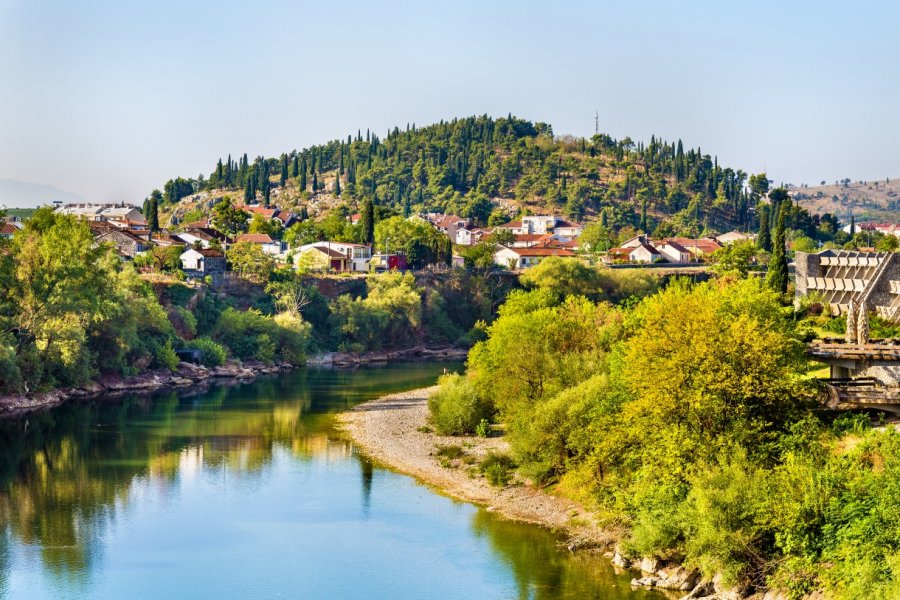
249	492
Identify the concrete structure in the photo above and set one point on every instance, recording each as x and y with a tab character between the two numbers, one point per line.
841	276
122	215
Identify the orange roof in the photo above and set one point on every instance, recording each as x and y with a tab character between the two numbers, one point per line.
255	238
702	245
8	229
542	252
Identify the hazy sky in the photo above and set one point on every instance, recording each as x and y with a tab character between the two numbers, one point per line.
110	98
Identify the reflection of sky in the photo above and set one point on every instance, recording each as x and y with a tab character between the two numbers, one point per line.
218	512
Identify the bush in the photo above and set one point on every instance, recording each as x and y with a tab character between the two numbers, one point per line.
497	469
251	335
456	408
213	354
166	356
10	375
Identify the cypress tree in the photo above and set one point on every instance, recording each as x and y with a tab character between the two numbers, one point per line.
367	222
303	176
249	196
337	184
777	277
852	226
764	239
284	169
341	166
153	216
315	182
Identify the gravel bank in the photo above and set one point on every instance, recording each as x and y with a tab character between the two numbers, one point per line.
388	430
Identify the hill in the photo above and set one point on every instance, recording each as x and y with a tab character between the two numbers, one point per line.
866	200
489	169
24	194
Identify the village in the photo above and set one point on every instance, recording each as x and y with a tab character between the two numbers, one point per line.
516	245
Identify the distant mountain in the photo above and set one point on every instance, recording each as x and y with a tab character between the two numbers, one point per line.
23	194
865	200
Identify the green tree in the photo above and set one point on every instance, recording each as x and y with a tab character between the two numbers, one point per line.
228	219
777	277
764	239
153	210
367	222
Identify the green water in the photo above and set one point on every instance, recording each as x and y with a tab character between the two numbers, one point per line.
249	492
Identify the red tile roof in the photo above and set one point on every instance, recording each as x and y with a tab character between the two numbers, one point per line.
702	245
8	229
542	252
255	238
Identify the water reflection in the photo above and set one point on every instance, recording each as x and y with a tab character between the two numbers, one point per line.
69	478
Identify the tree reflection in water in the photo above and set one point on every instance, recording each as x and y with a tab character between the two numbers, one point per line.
65	473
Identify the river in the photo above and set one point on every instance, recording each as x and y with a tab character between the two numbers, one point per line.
249	491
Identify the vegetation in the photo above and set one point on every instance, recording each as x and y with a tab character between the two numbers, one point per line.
687	417
70	310
457	408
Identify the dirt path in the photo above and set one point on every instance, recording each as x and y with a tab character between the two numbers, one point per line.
391	430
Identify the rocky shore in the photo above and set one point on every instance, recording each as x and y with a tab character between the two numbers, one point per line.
185	376
342	359
394	430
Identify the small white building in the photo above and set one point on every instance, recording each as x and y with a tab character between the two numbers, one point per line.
734	236
542	224
357	255
645	253
265	241
522	258
674	252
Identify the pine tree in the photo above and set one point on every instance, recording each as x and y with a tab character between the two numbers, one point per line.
303	176
367	222
249	195
153	214
777	277
764	239
337	184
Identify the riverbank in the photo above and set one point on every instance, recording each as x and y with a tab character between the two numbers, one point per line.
394	430
187	375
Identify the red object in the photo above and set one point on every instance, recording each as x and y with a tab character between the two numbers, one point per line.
396	261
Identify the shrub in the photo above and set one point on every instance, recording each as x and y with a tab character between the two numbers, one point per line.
166	356
213	354
265	348
455	407
10	375
497	469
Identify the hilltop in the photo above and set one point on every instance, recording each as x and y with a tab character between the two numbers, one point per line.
866	200
487	169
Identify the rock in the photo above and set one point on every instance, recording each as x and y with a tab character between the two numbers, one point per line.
648	581
701	590
650	565
620	561
677	578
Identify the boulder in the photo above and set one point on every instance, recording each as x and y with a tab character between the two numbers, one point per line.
620	561
677	578
649	564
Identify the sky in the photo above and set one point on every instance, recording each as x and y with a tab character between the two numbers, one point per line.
110	98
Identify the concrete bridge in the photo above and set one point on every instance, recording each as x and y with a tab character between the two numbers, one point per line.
863	375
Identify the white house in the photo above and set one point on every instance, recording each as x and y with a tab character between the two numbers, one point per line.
634	242
732	237
522	258
265	241
645	253
468	236
674	252
357	255
541	224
